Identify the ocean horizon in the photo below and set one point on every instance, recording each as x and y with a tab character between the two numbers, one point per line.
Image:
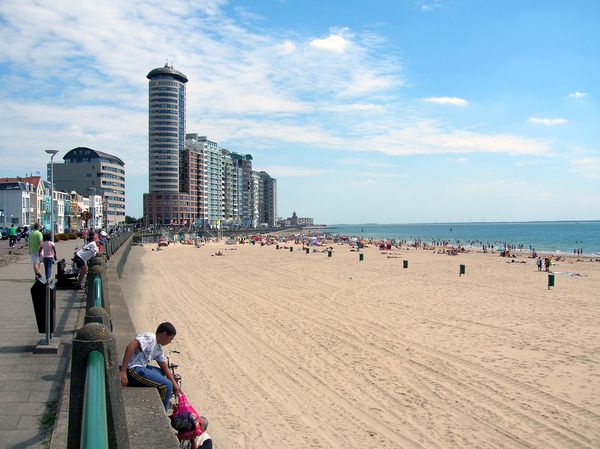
562	236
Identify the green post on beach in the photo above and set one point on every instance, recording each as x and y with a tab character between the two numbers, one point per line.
462	270
307	250
360	257
276	246
550	281
405	264
329	253
291	249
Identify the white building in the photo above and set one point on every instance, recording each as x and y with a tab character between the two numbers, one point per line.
15	204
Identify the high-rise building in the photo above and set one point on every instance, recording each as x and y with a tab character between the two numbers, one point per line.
242	195
166	128
267	198
170	199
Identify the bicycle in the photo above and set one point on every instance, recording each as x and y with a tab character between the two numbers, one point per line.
172	367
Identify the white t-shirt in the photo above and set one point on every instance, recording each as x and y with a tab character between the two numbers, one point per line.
151	350
88	251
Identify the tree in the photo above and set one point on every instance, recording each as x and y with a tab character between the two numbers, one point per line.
85	215
132	220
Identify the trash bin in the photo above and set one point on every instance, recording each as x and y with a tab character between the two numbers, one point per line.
307	250
276	246
360	257
550	281
329	253
38	297
462	270
291	249
405	264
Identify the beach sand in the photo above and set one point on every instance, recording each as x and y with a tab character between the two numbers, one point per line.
285	349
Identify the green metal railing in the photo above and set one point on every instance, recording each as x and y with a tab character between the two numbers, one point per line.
98	292
94	428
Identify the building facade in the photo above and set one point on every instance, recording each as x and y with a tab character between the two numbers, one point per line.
94	173
15	204
266	199
171	199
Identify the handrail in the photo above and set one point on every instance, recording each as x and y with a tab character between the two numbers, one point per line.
94	428
98	292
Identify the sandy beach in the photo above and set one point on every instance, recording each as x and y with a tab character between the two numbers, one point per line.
283	349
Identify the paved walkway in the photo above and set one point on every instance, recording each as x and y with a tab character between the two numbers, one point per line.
30	384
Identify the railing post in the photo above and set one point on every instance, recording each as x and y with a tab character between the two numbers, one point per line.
98	315
96	337
94	427
97	272
97	292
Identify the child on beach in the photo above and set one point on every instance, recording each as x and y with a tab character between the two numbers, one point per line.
135	368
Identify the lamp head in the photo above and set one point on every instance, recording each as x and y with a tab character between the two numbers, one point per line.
52	152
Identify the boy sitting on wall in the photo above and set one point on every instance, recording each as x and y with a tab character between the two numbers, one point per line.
135	365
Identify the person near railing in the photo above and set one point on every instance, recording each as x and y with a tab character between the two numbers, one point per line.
135	364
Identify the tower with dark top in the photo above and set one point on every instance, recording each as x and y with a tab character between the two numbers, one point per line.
166	203
166	128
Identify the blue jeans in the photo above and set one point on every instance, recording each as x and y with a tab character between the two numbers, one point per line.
48	262
151	376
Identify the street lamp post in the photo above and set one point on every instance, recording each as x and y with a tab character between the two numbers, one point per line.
48	281
93	189
53	153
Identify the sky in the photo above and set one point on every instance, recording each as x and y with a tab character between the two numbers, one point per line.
365	112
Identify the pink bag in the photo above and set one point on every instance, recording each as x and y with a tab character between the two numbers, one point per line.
185	419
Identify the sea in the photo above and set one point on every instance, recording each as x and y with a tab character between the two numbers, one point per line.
543	236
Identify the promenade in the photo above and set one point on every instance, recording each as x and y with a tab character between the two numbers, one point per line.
30	384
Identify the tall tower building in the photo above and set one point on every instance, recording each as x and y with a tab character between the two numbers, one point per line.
166	128
166	202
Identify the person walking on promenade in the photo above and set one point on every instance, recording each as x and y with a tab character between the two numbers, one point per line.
12	235
48	253
35	238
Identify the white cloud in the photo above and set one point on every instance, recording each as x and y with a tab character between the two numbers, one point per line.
448	100
287	48
578	95
367	183
586	167
336	43
547	121
383	175
279	171
364	163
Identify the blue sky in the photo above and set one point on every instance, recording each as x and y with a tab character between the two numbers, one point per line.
382	111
